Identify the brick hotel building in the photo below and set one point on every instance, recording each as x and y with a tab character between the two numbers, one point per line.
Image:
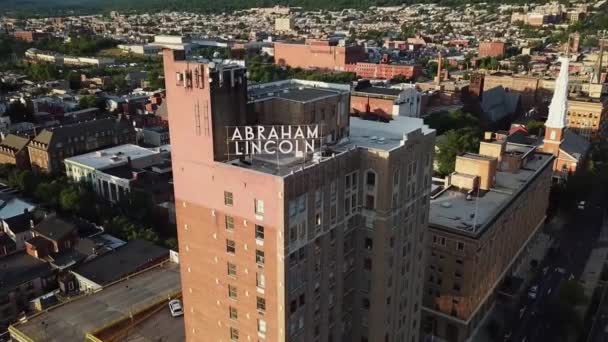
321	247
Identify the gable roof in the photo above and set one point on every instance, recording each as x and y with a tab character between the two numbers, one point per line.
575	145
13	143
497	103
54	228
20	268
61	134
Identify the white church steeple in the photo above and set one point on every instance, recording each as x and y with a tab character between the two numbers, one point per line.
558	109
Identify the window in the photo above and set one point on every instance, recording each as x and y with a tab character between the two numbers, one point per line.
261	304
231	269
371	178
369	244
366	303
234	334
260	280
261	326
229	223
259	207
460	246
232	293
369	202
293	306
367	264
228	200
230	246
233	313
259	257
259	232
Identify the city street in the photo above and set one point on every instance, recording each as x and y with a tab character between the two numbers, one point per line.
574	243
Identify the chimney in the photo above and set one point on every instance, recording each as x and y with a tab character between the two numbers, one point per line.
439	62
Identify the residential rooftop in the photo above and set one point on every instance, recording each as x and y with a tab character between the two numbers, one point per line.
469	212
73	320
111	157
121	262
20	268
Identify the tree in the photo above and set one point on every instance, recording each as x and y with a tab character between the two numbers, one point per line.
172	244
399	79
455	142
572	293
69	199
535	127
48	192
18	112
444	121
88	101
156	80
73	79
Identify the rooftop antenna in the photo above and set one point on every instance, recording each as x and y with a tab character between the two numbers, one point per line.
601	57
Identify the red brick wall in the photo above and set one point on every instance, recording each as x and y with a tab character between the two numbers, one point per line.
316	56
384	71
365	104
491	49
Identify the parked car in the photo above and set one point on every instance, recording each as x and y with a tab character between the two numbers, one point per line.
532	292
175	306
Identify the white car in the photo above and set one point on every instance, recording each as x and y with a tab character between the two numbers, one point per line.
532	292
175	306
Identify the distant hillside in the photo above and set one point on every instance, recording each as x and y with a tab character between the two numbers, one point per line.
51	7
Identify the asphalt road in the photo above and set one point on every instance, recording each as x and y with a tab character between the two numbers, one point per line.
575	241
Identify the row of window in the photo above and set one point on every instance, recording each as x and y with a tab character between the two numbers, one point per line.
441	240
258	205
234	332
259	230
231	249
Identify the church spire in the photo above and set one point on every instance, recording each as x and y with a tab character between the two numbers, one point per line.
558	108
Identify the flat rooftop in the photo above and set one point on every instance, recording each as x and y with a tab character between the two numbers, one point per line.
295	90
72	320
110	157
453	211
159	326
305	94
391	92
367	134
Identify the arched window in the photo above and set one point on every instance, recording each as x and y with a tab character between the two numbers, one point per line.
370	178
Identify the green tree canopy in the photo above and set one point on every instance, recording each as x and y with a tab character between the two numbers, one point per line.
87	101
453	143
444	121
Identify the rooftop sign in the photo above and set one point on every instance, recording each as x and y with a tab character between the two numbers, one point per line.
285	139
